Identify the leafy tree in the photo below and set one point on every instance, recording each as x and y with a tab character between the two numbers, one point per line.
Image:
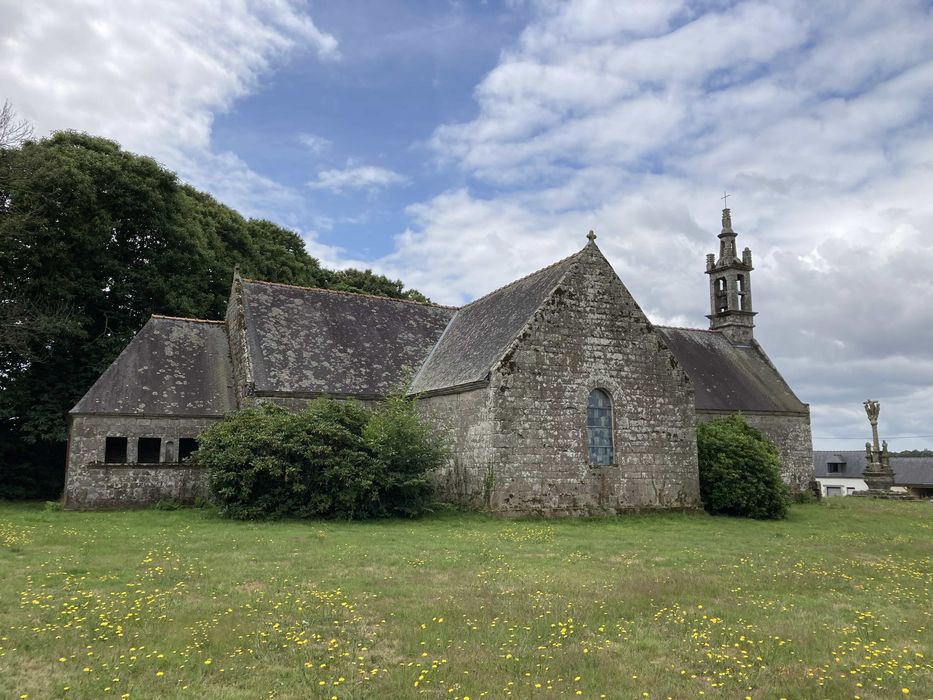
913	453
739	471
368	282
333	459
93	240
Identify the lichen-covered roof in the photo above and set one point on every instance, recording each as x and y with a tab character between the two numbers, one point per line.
729	377
309	341
172	367
482	331
908	471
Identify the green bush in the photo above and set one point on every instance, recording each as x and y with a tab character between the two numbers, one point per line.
739	471
409	450
332	459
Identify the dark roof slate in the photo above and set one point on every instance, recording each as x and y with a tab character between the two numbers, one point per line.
172	367
309	341
729	377
908	471
854	461
912	471
482	331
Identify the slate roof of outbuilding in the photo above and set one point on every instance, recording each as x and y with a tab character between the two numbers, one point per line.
908	471
729	377
854	460
307	341
481	332
912	471
172	367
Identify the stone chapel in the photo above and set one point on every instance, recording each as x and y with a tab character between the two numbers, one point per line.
557	394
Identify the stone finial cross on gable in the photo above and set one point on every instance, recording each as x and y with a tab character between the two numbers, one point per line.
591	236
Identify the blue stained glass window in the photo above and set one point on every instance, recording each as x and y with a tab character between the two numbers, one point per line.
599	427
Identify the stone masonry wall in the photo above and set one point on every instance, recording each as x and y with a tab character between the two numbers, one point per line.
590	334
296	403
465	421
89	483
236	335
791	435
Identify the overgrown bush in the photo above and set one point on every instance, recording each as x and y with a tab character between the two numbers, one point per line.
333	459
739	471
409	450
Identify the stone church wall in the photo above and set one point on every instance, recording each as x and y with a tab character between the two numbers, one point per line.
90	483
590	334
239	353
465	421
791	435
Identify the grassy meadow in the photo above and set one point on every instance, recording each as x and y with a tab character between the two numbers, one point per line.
835	602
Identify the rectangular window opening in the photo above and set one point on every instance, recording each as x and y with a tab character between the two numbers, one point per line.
186	447
115	450
148	449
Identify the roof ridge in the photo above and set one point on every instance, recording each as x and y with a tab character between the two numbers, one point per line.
185	318
685	328
346	293
522	279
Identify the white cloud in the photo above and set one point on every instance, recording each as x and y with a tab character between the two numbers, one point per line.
314	143
815	115
356	177
150	75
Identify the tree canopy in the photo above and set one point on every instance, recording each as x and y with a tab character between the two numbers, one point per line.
93	240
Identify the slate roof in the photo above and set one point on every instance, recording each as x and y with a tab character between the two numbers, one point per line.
305	341
912	471
729	377
482	331
172	367
908	471
854	460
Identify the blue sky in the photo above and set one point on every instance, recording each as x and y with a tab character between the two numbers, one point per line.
414	67
460	145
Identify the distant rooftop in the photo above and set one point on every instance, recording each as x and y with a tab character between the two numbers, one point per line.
908	471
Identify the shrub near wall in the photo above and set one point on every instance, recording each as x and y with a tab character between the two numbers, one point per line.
333	459
740	473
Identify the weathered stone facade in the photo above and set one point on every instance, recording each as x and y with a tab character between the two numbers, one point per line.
465	418
92	483
520	441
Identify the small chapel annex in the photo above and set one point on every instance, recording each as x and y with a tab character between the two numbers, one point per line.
557	394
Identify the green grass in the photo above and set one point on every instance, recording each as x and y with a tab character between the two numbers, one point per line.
832	603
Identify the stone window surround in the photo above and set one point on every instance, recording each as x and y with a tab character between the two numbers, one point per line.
612	390
592	429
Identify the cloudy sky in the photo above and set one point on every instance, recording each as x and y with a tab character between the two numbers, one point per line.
458	145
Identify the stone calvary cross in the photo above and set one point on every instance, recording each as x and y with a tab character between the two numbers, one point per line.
878	474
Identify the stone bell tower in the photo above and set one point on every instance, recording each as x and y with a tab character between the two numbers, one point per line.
730	288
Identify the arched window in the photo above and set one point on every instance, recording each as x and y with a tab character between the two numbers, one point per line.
599	427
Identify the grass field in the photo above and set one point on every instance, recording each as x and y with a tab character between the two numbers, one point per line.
833	603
